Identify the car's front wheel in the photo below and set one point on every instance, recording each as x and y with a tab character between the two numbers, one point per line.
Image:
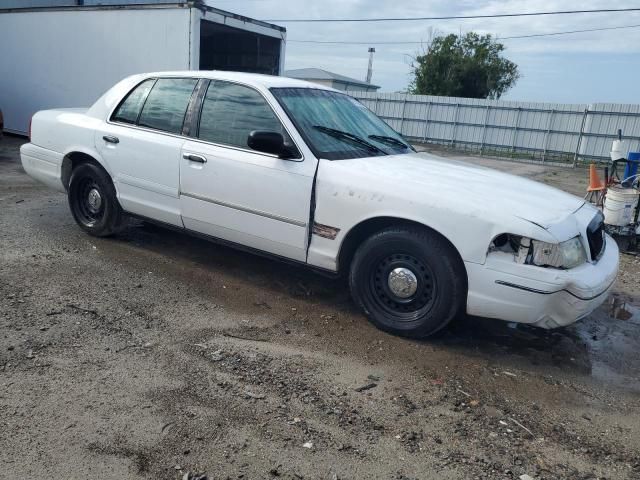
409	281
93	202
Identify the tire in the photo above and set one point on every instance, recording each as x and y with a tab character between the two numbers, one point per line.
93	202
415	304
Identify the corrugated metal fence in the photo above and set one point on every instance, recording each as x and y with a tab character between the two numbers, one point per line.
566	133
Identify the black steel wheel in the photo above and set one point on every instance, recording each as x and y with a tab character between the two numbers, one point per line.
402	285
93	202
409	281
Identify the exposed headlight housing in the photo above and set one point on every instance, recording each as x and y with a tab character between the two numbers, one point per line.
563	255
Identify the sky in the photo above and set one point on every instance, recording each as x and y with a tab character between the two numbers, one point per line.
578	68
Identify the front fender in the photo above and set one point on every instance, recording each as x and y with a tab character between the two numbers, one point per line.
347	207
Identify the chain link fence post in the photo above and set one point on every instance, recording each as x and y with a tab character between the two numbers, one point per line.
547	134
484	128
514	139
404	107
426	122
580	135
455	125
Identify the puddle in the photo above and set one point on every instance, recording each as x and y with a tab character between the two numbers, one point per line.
603	346
620	309
612	334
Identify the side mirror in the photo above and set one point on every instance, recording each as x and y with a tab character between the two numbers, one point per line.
270	142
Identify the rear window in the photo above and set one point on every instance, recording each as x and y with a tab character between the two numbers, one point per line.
129	110
167	104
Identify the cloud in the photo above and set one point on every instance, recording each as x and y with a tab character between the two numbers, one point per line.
391	65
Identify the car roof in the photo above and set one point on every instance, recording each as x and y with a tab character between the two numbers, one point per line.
106	103
256	79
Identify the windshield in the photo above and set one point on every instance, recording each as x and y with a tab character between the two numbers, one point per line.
338	127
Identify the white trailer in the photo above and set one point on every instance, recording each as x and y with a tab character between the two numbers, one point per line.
68	56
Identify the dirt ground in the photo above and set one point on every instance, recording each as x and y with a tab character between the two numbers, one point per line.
155	355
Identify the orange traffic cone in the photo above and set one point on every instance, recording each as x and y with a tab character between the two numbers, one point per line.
595	184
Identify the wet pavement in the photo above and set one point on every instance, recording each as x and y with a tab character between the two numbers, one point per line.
155	354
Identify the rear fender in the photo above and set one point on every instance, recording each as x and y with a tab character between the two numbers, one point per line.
71	157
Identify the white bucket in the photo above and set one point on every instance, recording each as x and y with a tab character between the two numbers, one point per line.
619	205
618	150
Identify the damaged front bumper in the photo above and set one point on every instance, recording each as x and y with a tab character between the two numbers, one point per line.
544	297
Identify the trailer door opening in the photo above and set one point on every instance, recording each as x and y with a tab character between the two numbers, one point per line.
227	48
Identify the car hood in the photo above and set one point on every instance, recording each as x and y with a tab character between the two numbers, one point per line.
481	188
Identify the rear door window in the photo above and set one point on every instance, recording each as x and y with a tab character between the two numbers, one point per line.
167	103
230	112
129	110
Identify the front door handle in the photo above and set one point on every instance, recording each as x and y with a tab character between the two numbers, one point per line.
194	158
110	139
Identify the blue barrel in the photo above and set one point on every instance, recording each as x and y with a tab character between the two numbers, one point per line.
631	169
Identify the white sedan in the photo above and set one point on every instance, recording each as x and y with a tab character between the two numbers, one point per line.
308	174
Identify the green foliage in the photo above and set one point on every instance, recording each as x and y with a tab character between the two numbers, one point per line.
470	66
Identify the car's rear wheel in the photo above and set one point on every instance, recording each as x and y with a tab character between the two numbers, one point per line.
93	202
409	281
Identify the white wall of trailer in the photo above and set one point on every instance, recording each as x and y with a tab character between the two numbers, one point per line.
65	3
68	58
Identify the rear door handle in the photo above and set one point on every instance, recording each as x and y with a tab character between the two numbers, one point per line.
110	139
194	158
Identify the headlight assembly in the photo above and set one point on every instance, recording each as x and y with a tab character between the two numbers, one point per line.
564	255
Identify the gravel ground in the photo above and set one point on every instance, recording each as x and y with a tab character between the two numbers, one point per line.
155	355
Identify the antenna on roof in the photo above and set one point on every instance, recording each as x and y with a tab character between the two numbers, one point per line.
370	69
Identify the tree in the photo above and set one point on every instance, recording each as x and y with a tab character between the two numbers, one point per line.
469	65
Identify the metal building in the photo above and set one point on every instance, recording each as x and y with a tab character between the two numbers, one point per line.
66	53
330	79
